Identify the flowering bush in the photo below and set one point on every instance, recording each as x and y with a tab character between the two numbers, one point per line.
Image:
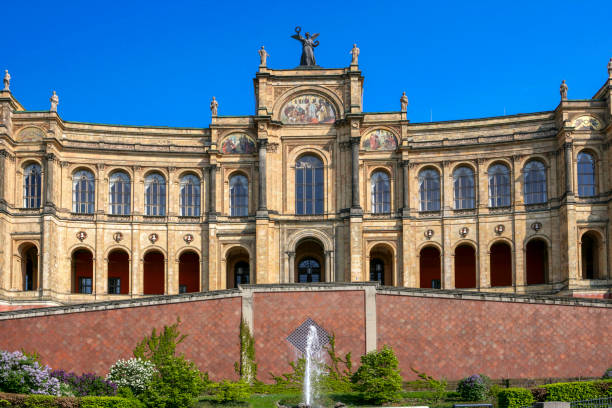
86	384
135	373
24	375
474	388
608	373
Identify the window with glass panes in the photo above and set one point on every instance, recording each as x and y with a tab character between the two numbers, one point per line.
190	196
114	286
120	194
381	192
429	190
586	175
31	186
239	196
309	185
499	186
83	192
534	183
155	195
463	183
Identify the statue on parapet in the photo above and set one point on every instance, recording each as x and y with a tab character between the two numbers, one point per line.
263	55
563	90
213	106
355	53
610	69
404	102
54	102
7	80
308	46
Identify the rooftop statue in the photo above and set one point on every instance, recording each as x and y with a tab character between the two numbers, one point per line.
214	105
308	45
7	80
563	90
355	53
263	55
54	102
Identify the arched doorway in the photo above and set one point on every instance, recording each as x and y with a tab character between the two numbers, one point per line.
381	264
154	271
500	262
238	267
310	261
537	261
465	267
189	272
590	255
430	268
29	267
82	271
118	272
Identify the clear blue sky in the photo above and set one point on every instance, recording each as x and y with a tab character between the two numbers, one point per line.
159	63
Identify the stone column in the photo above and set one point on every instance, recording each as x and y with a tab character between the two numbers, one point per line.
212	186
3	175
262	199
355	172
567	147
291	256
328	274
405	187
49	180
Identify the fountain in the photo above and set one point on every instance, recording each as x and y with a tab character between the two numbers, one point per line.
314	366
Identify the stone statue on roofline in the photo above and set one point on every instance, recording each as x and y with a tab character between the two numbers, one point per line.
213	106
610	69
263	55
404	102
7	80
355	53
563	90
54	102
308	46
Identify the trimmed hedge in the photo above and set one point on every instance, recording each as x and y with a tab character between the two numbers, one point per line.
514	398
577	391
49	401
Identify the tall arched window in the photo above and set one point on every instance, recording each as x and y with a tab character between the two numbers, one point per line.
499	186
429	190
535	182
83	192
120	193
586	175
381	192
463	180
31	186
241	273
309	270
239	196
190	196
309	185
155	194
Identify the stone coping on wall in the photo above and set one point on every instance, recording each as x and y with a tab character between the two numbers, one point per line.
248	290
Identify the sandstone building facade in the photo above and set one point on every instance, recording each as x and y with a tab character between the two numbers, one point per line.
307	189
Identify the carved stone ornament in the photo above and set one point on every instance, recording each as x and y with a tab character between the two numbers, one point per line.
153	238
118	236
536	226
499	229
81	235
429	233
272	147
464	231
355	125
188	238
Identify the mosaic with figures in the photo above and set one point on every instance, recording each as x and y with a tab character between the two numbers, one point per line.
379	139
238	143
308	109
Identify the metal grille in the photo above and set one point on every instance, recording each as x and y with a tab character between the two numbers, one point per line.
298	336
605	402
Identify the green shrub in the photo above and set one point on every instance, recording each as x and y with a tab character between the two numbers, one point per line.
109	402
339	371
177	380
474	388
135	373
378	379
576	391
438	387
228	391
514	398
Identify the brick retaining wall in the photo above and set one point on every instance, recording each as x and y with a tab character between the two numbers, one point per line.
445	333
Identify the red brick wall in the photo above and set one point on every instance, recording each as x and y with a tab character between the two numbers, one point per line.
93	341
277	314
455	338
8	308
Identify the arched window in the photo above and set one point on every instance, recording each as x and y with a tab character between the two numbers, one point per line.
120	193
241	273
31	186
309	185
309	270
155	194
239	196
463	180
377	270
429	190
190	196
586	175
381	192
499	186
535	182
83	192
